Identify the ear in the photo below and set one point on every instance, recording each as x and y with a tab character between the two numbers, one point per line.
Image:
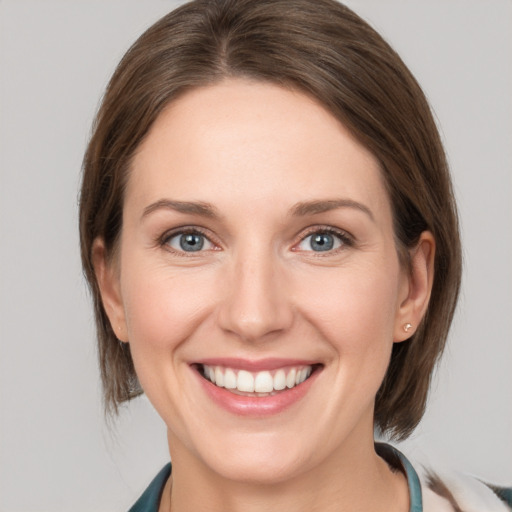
107	276
416	288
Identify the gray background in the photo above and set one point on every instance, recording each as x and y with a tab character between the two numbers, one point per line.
56	451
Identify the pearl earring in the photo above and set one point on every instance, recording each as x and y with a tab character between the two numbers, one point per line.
407	327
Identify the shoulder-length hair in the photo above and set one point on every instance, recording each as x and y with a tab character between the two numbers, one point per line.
325	50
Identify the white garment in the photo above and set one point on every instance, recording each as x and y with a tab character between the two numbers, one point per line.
469	494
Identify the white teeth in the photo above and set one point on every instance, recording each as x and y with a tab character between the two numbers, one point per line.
219	377
279	380
256	382
301	376
230	379
245	381
290	379
263	383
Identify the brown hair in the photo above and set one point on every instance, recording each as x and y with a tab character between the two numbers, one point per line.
325	50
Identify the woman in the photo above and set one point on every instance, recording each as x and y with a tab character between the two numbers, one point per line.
268	228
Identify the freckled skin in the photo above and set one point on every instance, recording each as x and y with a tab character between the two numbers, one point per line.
258	289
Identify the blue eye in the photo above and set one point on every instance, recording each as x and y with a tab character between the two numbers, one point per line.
321	241
189	242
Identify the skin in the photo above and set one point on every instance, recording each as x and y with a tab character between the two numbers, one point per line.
253	151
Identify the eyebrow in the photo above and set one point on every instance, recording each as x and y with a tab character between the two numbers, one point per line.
191	207
320	206
301	209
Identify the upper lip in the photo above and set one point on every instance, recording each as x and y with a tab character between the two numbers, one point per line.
257	365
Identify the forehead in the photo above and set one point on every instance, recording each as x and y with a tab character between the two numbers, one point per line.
260	141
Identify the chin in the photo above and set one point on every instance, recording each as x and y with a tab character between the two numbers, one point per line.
260	470
259	461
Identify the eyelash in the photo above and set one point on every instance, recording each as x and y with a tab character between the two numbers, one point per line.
164	240
345	239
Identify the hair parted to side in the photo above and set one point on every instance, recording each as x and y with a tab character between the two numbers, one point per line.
319	47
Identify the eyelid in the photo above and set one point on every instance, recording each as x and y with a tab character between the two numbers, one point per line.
347	240
163	240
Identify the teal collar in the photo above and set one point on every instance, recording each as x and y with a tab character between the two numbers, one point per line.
150	499
398	460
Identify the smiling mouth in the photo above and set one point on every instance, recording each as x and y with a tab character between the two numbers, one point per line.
257	384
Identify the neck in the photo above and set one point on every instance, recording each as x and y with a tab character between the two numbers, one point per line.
353	478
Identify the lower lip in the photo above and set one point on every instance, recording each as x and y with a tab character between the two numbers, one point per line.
256	406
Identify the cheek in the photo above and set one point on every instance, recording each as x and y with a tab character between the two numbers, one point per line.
163	310
357	320
355	310
163	307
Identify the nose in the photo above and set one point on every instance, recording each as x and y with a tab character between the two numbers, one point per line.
256	300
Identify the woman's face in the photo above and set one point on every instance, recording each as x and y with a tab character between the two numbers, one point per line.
257	250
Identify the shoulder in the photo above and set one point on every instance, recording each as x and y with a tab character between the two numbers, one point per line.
445	491
439	490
